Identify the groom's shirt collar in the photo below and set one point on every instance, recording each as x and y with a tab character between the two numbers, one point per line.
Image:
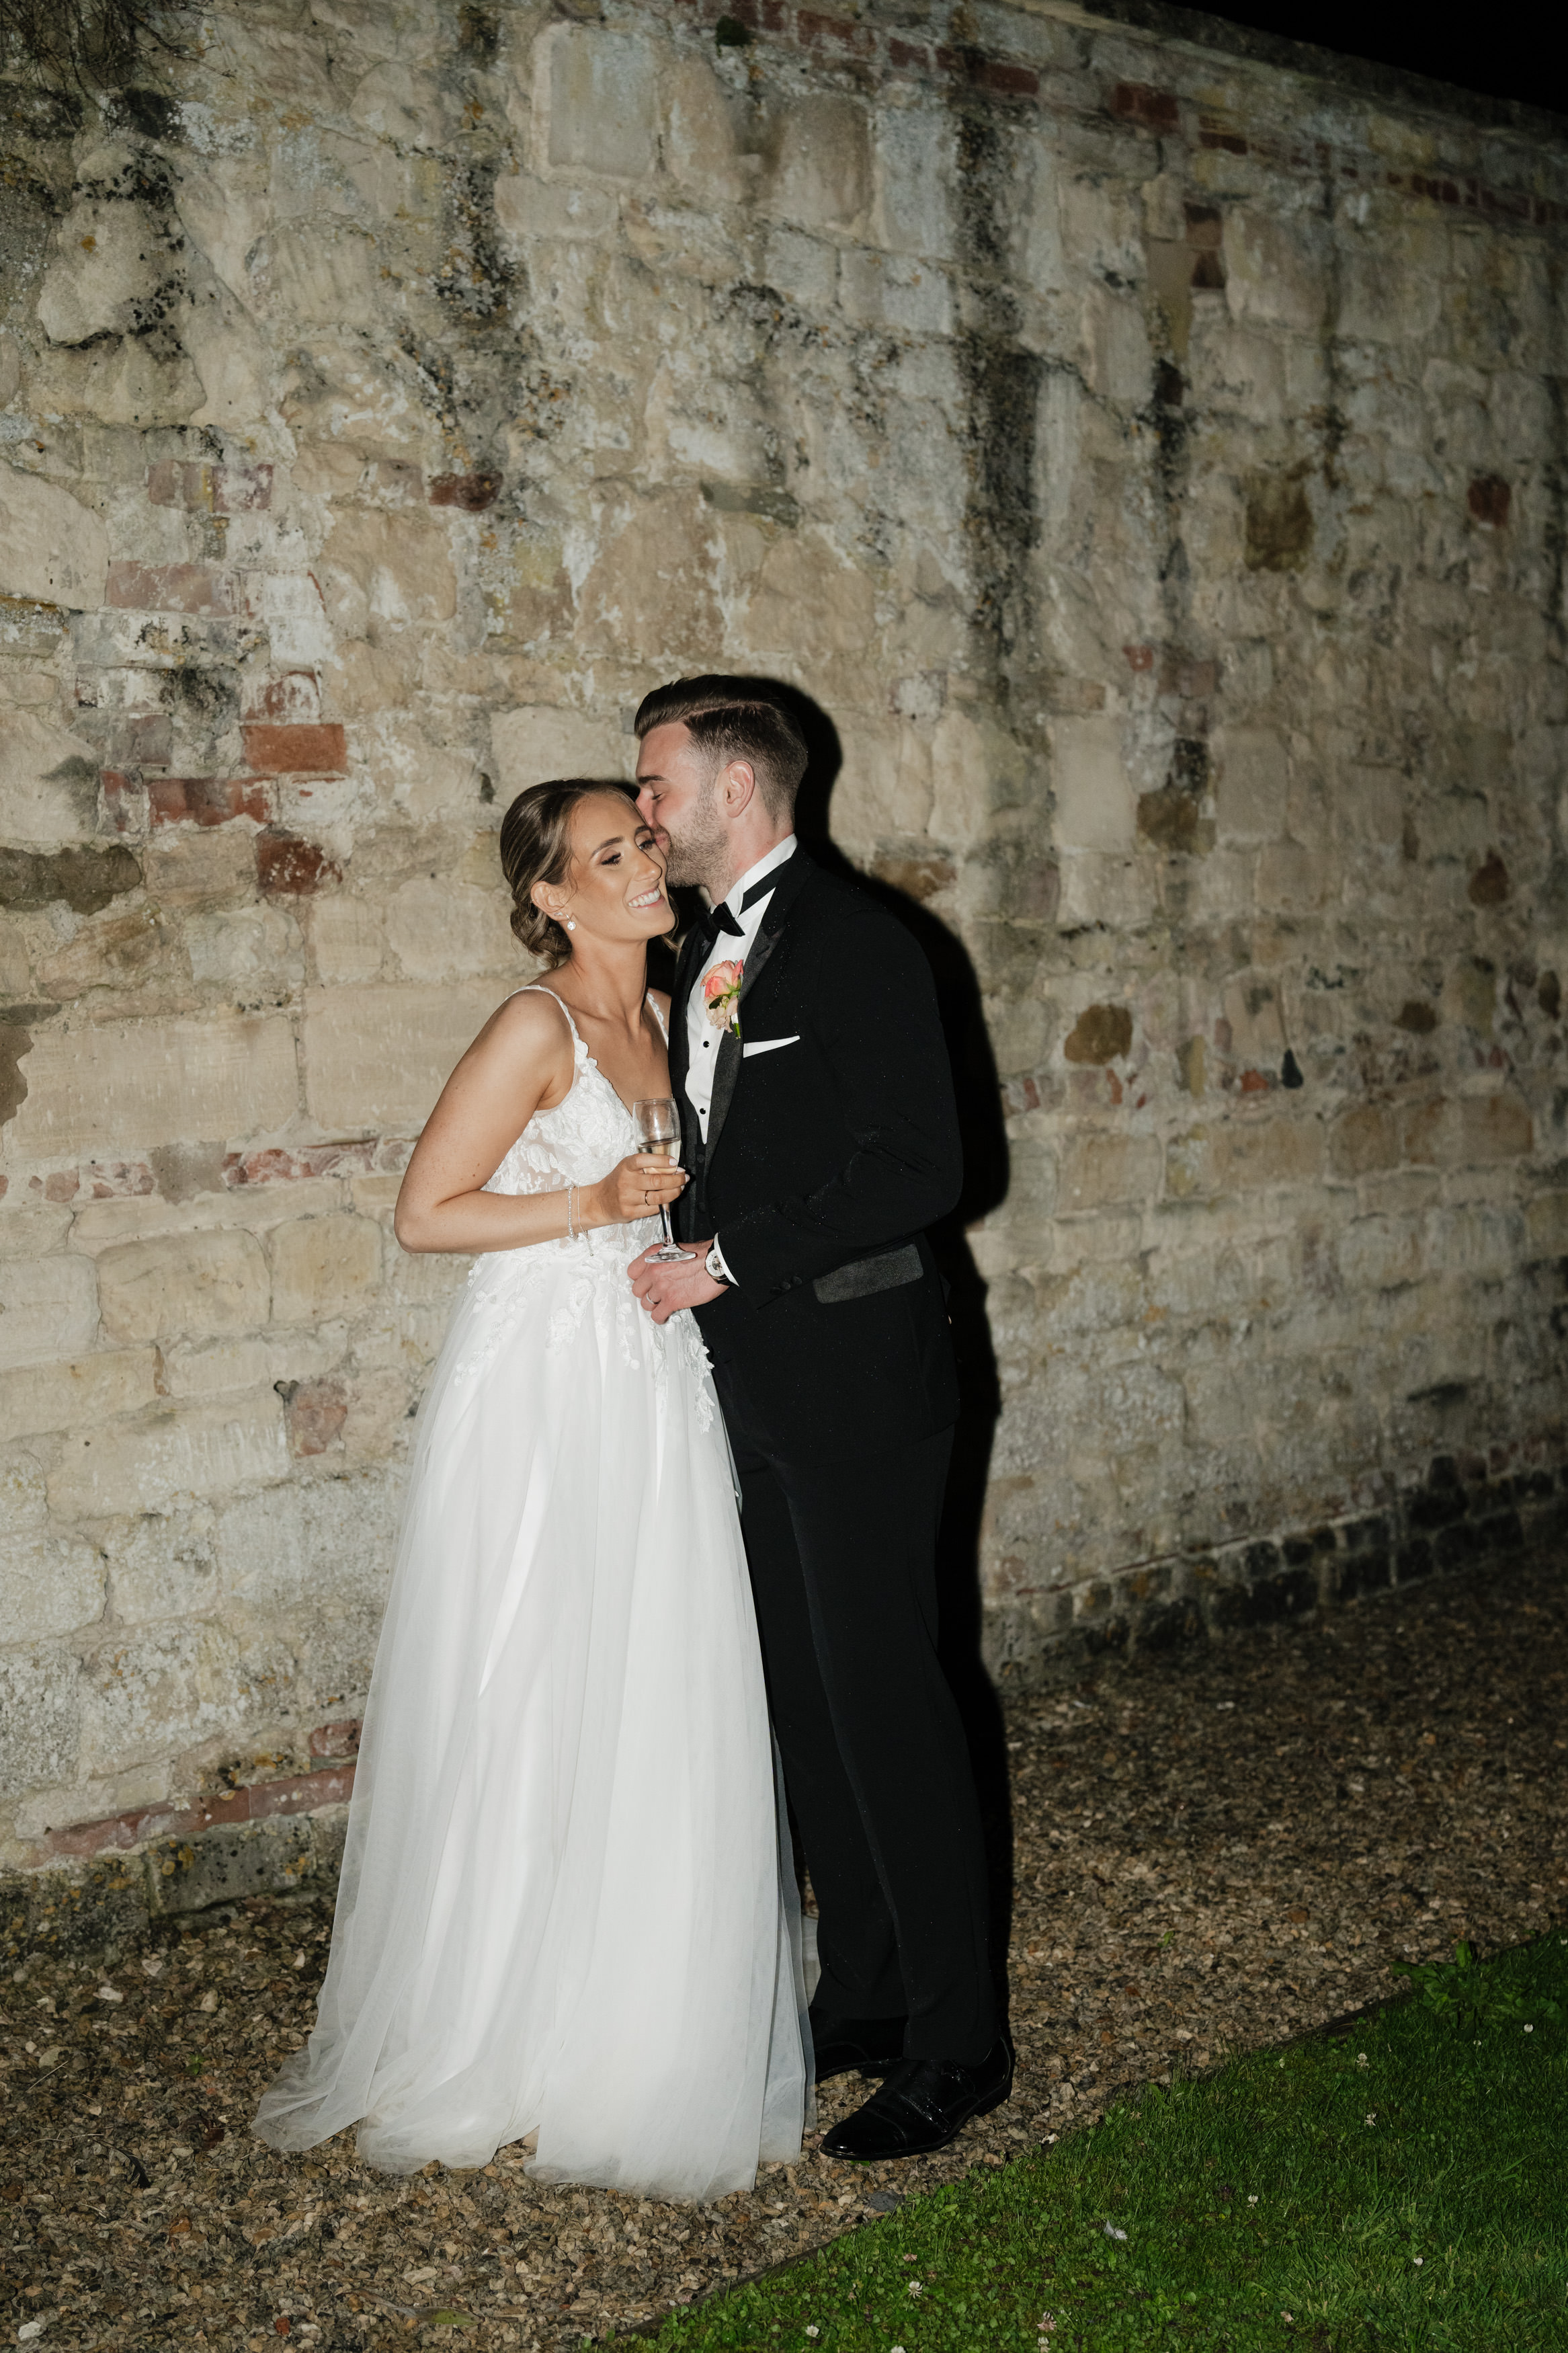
779	855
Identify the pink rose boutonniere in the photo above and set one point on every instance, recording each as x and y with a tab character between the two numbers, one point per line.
722	995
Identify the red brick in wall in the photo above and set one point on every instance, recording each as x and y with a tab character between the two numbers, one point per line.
316	750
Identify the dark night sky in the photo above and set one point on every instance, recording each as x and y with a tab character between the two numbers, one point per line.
1498	55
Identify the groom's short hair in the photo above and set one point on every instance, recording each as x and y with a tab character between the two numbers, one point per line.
735	719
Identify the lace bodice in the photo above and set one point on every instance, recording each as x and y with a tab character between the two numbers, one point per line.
581	1140
578	1141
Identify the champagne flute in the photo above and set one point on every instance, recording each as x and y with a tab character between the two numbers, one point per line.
659	1124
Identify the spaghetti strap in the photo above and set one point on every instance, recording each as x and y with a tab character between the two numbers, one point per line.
537	988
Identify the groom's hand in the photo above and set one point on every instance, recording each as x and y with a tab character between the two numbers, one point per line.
664	1286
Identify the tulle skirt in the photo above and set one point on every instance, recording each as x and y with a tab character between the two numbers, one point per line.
565	1908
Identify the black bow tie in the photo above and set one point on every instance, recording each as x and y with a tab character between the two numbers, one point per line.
714	919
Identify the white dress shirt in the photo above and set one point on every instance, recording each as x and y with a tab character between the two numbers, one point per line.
701	1035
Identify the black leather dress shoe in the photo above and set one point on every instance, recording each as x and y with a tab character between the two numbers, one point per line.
922	2105
847	2045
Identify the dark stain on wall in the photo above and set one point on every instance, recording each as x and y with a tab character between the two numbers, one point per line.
83	880
1278	524
1001	382
17	1023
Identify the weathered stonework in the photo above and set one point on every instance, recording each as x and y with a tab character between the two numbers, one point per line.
1150	458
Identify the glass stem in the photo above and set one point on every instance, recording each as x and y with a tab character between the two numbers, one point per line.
664	1227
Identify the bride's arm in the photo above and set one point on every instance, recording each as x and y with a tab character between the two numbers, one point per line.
520	1061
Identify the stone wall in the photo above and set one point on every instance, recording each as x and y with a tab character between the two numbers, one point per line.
1153	463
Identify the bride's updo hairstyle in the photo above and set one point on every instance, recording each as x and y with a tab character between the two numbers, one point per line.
536	846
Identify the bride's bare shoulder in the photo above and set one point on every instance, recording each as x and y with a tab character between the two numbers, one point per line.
529	1009
527	1027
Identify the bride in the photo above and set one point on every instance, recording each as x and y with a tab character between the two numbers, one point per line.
565	1917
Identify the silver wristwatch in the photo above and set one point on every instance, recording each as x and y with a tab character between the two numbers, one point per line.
715	1266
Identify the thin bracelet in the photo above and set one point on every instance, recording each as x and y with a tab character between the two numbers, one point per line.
570	1213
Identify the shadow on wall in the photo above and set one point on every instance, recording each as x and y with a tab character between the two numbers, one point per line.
985	1186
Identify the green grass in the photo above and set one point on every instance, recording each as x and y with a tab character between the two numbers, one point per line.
1399	2186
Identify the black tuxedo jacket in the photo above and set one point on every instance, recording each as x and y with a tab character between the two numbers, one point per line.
833	1141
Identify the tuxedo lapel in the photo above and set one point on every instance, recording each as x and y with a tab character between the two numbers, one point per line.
792	877
767	939
726	1070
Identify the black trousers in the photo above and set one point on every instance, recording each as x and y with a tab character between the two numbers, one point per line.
843	1566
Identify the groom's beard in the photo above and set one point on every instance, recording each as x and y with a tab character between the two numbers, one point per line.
700	852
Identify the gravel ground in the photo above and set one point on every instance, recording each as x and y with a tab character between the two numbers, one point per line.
1208	1854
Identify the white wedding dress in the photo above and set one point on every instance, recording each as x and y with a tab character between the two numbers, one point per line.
565	1908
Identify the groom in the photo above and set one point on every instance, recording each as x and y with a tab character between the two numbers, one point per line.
821	1138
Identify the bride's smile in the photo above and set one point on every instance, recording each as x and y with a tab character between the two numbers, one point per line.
613	890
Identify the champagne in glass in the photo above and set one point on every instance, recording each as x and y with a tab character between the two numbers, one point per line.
659	1124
